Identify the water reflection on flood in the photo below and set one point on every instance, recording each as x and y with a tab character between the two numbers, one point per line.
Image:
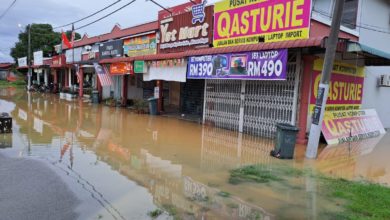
122	165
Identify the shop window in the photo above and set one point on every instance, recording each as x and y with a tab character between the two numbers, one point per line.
350	13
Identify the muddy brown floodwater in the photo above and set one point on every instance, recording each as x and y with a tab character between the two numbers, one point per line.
123	165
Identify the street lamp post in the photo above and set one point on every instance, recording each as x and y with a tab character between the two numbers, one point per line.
29	57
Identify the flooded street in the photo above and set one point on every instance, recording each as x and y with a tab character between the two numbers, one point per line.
122	165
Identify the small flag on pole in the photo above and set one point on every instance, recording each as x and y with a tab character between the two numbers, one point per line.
102	73
65	40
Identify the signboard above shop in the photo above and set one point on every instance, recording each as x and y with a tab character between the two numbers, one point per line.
188	30
22	62
121	68
111	49
38	58
140	46
257	65
73	55
251	22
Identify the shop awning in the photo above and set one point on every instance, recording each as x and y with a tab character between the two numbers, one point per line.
371	56
302	43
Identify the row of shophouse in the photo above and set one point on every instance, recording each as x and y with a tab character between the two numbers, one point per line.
217	64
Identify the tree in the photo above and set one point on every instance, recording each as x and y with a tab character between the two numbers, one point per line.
43	37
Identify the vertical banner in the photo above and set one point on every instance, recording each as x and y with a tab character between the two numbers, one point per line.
245	22
257	65
345	87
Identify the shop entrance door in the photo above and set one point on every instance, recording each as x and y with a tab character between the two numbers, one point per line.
253	107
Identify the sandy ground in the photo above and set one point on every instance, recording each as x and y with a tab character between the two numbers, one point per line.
31	190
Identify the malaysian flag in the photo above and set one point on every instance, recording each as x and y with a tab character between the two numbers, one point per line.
102	73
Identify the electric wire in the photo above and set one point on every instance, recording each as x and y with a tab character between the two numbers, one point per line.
6	10
82	19
105	16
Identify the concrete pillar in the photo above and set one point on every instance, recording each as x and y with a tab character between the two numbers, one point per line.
305	94
160	104
55	77
70	77
125	85
66	81
81	83
46	77
39	78
99	88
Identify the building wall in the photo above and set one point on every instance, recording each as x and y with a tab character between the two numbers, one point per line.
377	97
374	96
380	21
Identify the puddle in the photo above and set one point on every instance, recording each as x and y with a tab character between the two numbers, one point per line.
123	165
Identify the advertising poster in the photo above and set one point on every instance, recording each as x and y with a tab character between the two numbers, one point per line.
258	65
111	49
349	126
121	68
140	46
245	22
345	87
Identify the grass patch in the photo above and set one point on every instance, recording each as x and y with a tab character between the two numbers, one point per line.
155	213
223	194
363	200
252	173
358	200
170	209
18	83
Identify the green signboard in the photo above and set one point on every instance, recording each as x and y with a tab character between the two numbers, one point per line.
139	66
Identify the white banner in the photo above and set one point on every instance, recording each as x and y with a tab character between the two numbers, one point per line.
176	73
38	58
22	62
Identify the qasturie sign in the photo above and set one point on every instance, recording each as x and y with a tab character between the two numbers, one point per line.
257	65
111	49
187	31
246	22
348	126
140	46
345	87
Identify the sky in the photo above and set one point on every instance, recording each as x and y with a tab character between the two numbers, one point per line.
59	12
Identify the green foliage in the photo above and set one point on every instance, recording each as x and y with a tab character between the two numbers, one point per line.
223	194
43	37
358	200
253	173
18	83
155	213
363	200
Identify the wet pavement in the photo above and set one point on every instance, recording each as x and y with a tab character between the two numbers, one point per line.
121	165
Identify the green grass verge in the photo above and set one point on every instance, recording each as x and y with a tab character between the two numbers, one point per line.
18	83
361	200
155	213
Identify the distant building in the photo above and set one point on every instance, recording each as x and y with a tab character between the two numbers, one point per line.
5	70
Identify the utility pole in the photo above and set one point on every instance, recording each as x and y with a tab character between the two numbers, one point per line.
29	74
323	89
